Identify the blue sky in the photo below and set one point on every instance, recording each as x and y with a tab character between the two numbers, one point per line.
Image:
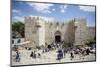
60	12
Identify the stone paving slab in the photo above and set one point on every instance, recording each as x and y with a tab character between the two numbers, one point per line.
48	57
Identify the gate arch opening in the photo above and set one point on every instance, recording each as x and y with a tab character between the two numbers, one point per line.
57	36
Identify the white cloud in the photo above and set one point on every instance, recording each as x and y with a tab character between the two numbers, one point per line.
87	8
40	7
18	18
45	18
53	9
16	11
48	18
63	8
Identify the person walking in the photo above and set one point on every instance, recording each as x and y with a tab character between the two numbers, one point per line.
31	55
72	55
17	56
60	54
64	52
34	55
87	51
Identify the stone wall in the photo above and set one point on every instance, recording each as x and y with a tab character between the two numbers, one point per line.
70	33
40	32
91	33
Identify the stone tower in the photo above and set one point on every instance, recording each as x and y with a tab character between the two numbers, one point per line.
31	31
80	31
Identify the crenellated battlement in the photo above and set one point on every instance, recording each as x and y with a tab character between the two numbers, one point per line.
40	21
40	30
40	18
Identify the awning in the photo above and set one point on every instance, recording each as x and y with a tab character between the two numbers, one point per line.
26	42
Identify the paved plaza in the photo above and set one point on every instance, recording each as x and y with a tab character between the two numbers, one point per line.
48	57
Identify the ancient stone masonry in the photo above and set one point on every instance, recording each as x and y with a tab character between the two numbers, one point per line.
41	32
80	32
91	33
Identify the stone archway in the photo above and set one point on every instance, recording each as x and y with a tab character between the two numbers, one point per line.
57	36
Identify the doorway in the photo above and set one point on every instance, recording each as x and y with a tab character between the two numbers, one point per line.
57	38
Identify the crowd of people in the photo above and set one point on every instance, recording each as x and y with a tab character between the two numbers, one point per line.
82	52
61	52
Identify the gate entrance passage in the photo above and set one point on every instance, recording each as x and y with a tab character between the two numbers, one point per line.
57	36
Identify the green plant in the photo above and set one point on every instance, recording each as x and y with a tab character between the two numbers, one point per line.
18	27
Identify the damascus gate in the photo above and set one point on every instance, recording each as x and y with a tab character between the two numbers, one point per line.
41	32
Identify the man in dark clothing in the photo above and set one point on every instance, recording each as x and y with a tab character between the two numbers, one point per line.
49	47
17	57
71	55
60	54
31	55
87	51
